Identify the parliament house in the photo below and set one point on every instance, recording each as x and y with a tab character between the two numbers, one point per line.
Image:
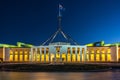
67	51
60	52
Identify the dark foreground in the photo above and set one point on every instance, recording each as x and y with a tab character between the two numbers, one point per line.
36	67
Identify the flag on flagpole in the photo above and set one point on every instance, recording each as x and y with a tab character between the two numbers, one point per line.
60	7
60	10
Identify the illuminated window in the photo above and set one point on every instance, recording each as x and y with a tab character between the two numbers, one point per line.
42	50
82	57
119	54
11	52
63	57
38	57
68	50
25	57
92	57
98	51
78	50
73	57
57	49
42	58
87	56
47	54
68	55
11	58
108	57
21	57
103	51
103	57
83	50
73	50
57	55
47	58
97	57
21	52
25	52
108	50
47	50
92	51
16	57
38	51
83	54
16	52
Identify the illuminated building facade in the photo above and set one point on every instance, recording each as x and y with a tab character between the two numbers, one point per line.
60	51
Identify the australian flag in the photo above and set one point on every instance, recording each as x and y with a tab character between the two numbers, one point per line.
61	8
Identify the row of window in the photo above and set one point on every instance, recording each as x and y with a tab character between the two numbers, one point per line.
68	51
72	58
98	51
92	52
19	52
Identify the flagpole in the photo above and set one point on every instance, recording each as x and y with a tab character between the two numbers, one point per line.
59	18
67	37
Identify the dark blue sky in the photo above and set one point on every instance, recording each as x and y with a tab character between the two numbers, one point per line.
34	21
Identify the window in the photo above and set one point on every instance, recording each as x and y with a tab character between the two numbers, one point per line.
47	50
25	52
38	51
103	51
42	50
92	57
108	57
103	57
92	51
98	51
68	50
73	50
78	50
16	52
57	49
83	50
11	52
108	50
97	57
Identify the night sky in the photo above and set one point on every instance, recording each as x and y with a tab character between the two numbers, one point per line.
34	21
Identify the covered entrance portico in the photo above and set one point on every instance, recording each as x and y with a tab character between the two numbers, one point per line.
58	53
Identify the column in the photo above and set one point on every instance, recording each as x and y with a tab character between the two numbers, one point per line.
36	54
49	55
40	53
55	56
71	54
44	54
95	50
19	55
100	55
89	53
3	53
66	55
31	54
105	55
80	54
76	53
23	55
85	55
